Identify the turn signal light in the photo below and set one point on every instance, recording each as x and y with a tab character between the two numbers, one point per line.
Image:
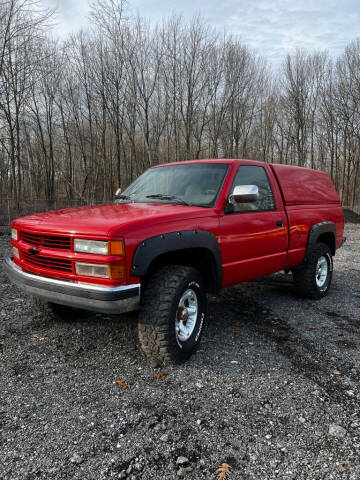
114	272
90	270
117	272
117	247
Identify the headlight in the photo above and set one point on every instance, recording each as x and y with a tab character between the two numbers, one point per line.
115	247
14	234
91	246
16	252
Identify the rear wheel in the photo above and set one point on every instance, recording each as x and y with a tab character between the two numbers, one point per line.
172	315
313	279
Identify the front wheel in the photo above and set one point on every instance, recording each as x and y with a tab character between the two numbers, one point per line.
313	279
172	315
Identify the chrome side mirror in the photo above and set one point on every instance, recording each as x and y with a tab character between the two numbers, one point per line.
118	192
244	194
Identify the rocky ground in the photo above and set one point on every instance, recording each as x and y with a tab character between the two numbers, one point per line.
273	391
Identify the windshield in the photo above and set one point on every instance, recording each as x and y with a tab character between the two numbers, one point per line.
195	184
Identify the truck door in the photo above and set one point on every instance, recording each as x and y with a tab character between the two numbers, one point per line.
253	236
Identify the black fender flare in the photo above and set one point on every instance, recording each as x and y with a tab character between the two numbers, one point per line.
151	248
317	230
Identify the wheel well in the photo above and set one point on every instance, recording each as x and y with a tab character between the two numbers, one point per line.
329	239
200	258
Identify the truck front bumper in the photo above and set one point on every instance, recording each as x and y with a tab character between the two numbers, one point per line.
96	298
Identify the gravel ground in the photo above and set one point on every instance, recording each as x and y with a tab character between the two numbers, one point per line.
273	391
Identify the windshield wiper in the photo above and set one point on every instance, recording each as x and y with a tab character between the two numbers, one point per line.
123	197
161	196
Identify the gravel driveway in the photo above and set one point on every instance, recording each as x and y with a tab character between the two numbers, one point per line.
273	391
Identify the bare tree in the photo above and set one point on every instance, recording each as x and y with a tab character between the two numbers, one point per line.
82	116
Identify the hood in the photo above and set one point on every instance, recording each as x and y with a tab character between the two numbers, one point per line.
106	219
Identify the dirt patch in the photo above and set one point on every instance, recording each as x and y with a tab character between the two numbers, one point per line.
273	373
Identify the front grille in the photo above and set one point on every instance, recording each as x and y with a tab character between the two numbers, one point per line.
47	262
38	240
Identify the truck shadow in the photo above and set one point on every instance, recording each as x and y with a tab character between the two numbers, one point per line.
296	348
237	310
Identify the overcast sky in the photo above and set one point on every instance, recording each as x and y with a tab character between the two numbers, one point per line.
274	27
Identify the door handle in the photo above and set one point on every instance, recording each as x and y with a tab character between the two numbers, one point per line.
279	223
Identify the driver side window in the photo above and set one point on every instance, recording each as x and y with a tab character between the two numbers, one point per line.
254	175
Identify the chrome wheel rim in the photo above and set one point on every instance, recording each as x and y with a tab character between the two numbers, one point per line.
321	271
186	315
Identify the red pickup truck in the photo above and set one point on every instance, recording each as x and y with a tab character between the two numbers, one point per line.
178	232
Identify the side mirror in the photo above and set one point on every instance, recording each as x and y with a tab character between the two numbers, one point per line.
118	192
244	194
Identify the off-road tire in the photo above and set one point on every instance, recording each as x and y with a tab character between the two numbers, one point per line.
54	310
305	275
156	324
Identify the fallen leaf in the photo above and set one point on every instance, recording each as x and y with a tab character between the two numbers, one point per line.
308	328
275	344
121	383
2	342
223	471
35	335
160	375
237	335
336	371
43	338
342	468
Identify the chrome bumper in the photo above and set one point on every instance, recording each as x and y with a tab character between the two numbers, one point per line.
88	297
